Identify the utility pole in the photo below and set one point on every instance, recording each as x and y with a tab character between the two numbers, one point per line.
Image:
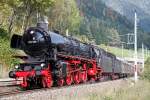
146	52
122	50
143	56
135	48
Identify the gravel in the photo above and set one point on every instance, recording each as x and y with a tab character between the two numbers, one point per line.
77	92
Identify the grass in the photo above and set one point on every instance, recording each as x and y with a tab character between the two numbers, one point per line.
121	91
139	91
126	52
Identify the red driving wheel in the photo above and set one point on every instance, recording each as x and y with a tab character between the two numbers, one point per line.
43	82
60	82
69	80
47	82
24	84
84	76
77	78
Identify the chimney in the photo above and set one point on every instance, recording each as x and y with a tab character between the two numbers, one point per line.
43	23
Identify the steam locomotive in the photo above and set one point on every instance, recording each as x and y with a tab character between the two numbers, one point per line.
62	60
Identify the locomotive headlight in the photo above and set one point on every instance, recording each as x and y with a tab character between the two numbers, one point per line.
16	66
42	65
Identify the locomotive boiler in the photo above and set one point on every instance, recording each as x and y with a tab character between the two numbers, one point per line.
62	60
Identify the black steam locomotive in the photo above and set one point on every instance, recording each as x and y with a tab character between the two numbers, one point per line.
63	60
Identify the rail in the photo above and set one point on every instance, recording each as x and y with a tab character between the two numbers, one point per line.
19	91
9	82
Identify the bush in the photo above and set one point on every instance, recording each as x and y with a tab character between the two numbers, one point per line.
3	33
6	53
146	74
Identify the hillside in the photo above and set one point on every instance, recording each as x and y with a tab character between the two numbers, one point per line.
102	23
127	8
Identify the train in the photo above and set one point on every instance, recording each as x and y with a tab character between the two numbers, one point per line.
63	60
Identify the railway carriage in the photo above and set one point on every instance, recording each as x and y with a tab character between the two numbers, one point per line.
123	68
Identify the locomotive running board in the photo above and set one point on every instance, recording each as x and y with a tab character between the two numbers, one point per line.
75	57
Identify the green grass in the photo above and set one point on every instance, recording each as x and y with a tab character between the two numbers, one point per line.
122	91
126	52
139	91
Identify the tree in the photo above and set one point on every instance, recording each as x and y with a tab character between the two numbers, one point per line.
5	12
64	15
34	7
114	37
23	12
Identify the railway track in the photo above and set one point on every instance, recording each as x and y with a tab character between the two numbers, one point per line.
34	90
9	82
9	93
8	86
19	91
